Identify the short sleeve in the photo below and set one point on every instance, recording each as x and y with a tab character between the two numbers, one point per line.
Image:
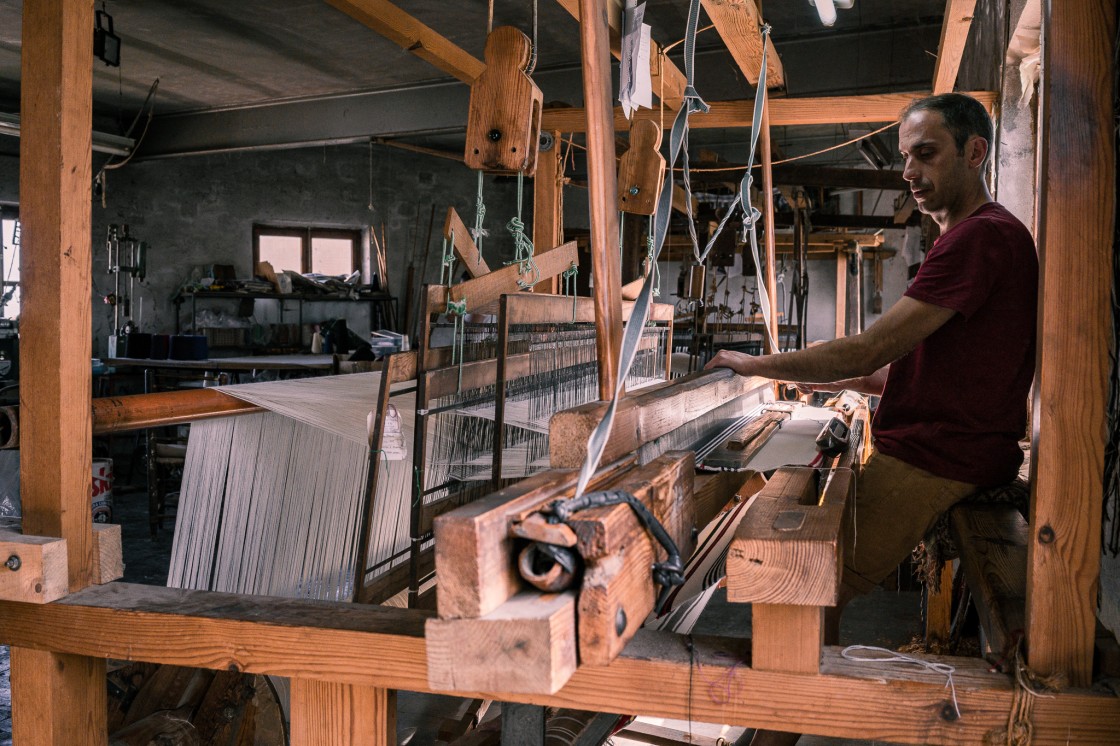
961	270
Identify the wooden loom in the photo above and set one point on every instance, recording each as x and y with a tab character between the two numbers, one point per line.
345	661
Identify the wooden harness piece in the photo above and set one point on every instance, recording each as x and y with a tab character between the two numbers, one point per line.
504	122
641	173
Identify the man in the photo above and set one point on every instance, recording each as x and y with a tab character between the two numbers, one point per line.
953	360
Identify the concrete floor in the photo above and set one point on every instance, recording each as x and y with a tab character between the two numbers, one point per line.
882	618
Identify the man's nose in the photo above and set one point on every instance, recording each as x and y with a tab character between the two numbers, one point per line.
909	172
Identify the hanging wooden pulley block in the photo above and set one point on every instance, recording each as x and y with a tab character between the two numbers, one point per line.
504	123
641	174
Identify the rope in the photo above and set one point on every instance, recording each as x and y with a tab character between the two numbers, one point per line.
568	280
448	261
522	246
1028	686
458	311
651	257
532	65
478	232
889	656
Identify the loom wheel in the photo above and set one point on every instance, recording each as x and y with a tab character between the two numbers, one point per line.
173	705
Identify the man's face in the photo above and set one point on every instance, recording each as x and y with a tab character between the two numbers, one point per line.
939	175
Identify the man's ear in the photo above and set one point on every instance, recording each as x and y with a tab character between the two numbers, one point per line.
976	150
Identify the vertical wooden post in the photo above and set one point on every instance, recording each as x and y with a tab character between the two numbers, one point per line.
57	698
768	217
548	205
602	188
939	607
327	713
841	293
1076	180
786	637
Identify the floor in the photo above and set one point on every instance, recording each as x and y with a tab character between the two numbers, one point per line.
883	618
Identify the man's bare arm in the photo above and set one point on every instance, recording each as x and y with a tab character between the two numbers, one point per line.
871	385
898	332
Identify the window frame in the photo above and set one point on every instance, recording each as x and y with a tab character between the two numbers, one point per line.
306	234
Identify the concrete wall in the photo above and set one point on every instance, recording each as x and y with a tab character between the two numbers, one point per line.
195	211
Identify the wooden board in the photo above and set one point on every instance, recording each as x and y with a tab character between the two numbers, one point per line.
527	646
788	549
617	592
641	172
41	574
377	646
476	562
786	637
645	415
738	23
992	540
548	203
875	107
57	699
336	714
487	289
455	231
954	34
109	554
1077	192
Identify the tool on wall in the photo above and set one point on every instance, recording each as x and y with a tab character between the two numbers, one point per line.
126	255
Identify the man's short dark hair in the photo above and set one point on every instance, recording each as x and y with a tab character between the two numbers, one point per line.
963	115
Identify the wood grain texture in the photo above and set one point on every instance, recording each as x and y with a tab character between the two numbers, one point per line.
504	119
939	607
738	23
992	540
328	713
876	107
40	576
646	415
109	554
954	34
56	259
1076	193
641	172
666	79
460	237
841	295
487	289
655	675
786	637
548	204
526	646
413	36
118	414
788	549
57	699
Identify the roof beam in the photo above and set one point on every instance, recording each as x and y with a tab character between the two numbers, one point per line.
738	22
954	34
665	75
878	107
413	36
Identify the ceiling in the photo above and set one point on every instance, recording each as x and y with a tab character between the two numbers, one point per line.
300	65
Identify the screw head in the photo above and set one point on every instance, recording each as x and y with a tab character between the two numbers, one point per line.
634	190
494	135
13	563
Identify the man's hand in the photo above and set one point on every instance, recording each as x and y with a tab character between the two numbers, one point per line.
739	362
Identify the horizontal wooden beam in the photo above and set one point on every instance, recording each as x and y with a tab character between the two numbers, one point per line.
657	674
413	36
738	23
876	107
954	34
118	414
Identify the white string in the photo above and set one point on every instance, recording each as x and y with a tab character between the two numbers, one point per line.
890	656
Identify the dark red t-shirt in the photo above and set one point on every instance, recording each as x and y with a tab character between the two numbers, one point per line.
956	406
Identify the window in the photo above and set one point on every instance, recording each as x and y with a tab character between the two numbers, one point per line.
324	251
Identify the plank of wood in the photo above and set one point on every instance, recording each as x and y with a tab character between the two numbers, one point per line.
617	592
476	561
645	416
1077	185
527	646
786	637
378	646
954	34
666	79
57	698
39	562
992	540
488	288
455	231
413	36
788	549
504	119
328	712
109	554
939	607
841	295
548	203
641	172
56	264
738	23
876	107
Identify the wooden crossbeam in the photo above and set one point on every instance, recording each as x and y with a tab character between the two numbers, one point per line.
666	78
876	107
484	290
413	36
383	647
738	23
455	231
954	34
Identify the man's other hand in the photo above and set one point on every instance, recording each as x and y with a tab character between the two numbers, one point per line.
739	362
